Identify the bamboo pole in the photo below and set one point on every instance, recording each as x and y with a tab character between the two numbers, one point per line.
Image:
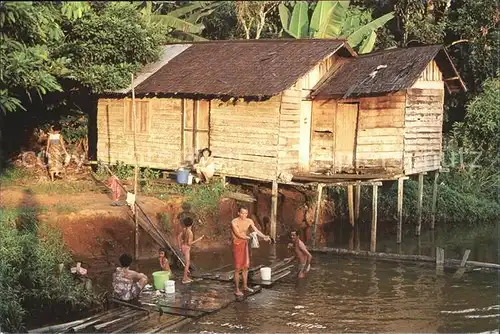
136	171
450	263
316	213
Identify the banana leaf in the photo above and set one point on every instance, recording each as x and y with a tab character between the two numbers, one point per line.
177	23
299	23
357	37
320	17
284	15
188	9
333	27
368	43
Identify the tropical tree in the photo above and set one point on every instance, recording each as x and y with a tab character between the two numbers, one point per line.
332	19
252	15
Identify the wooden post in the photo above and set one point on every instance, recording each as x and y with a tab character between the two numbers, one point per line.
400	210
357	203
274	209
461	270
419	203
373	240
316	213
439	260
136	171
350	200
434	198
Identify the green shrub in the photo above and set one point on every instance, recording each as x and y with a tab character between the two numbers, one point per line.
30	282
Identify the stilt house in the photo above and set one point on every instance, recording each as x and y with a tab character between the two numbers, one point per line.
271	109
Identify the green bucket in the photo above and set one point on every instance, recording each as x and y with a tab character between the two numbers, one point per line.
159	278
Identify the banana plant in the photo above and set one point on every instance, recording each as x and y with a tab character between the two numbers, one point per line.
331	19
183	22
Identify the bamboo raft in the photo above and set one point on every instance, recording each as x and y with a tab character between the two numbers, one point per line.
161	312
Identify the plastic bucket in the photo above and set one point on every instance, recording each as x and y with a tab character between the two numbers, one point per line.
159	278
265	273
182	176
170	286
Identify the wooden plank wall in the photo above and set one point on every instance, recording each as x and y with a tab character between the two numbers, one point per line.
322	134
289	130
244	137
158	145
424	122
295	133
380	132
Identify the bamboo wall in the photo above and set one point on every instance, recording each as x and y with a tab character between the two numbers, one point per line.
158	135
424	122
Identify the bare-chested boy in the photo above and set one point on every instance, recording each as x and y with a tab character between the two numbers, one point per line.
240	227
301	253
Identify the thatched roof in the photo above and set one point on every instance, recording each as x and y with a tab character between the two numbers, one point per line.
236	68
386	71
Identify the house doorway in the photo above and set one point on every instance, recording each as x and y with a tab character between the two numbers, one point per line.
346	126
195	128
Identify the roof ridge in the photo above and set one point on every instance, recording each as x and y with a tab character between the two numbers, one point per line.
249	41
396	49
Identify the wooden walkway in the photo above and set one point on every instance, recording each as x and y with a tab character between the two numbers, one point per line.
161	312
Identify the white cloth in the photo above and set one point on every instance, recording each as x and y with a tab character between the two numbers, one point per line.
254	242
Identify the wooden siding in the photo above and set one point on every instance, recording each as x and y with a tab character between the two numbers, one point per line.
244	137
380	132
158	134
423	130
379	139
322	134
296	120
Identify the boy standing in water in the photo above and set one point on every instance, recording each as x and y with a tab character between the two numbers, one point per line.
185	241
301	253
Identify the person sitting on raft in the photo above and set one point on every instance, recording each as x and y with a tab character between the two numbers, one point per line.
127	284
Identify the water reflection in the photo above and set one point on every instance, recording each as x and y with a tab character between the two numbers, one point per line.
354	295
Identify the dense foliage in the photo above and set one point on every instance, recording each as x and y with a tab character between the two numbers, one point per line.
30	282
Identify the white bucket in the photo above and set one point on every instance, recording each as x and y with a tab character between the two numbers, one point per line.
169	286
265	273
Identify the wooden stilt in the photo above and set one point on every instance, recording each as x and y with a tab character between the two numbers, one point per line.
400	210
357	202
316	213
439	260
434	199
274	209
419	203
136	235
459	273
373	240
350	199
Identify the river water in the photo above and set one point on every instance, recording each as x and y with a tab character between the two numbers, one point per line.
358	295
348	294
